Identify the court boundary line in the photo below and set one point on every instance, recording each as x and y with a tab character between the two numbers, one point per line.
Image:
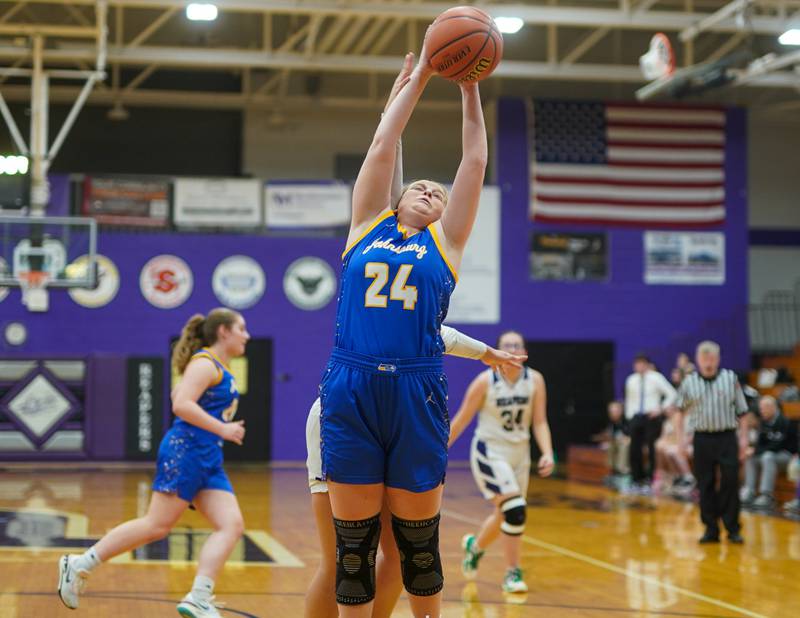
557	549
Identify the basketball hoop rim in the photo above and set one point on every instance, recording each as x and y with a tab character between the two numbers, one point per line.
664	39
33	279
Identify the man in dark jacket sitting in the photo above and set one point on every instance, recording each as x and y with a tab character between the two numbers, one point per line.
777	442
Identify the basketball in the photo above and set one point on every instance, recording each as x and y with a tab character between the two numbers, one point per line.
465	44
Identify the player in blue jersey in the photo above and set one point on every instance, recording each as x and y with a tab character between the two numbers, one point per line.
189	468
384	423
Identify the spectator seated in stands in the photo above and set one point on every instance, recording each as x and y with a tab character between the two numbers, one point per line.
616	441
673	449
793	472
684	364
773	450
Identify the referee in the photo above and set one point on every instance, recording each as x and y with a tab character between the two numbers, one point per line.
715	400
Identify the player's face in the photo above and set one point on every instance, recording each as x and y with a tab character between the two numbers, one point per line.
422	204
513	343
238	337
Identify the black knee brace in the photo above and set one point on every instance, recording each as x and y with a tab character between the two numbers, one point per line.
418	542
513	516
356	546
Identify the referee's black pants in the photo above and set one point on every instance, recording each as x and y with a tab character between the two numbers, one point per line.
712	451
643	430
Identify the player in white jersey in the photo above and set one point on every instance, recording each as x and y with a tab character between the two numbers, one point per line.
321	597
511	401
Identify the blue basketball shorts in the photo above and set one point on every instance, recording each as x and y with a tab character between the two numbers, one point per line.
384	421
186	466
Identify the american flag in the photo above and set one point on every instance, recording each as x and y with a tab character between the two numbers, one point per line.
645	166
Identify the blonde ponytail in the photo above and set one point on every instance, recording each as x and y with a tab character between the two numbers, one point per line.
191	340
198	332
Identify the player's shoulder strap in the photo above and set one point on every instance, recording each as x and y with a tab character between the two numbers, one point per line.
385	214
220	366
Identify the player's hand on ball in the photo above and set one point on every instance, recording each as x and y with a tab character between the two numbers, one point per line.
402	78
233	432
424	63
545	466
498	359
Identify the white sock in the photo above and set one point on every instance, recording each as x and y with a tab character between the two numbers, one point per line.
203	588
88	560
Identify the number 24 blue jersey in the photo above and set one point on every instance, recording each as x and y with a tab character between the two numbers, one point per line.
395	292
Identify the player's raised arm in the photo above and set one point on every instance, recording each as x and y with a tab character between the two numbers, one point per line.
459	217
371	192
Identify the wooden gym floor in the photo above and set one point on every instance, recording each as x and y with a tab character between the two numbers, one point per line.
586	552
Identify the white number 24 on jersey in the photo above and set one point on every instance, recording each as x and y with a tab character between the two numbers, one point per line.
379	271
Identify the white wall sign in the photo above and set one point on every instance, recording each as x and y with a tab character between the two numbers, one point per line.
684	258
476	299
217	202
306	205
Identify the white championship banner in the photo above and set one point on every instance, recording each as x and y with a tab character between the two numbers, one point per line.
304	206
217	202
476	299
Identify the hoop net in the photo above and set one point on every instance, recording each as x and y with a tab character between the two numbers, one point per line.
659	61
34	289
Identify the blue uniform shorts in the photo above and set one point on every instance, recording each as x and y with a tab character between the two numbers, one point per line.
384	421
186	466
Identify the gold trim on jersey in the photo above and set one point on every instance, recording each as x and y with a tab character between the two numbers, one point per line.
382	217
435	237
206	353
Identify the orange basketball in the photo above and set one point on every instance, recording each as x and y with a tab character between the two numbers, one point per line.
464	44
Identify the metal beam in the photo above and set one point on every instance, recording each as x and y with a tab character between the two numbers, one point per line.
386	37
585	45
311	39
559	15
769	64
369	36
726	47
708	22
12	11
205	59
78	32
152	28
352	32
294	38
224	100
137	81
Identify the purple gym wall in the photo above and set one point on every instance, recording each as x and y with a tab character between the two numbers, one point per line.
623	310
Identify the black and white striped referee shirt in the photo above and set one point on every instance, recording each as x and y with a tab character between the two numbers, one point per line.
715	404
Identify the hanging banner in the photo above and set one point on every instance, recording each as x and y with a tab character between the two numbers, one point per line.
306	206
217	202
564	256
145	407
138	201
679	258
476	299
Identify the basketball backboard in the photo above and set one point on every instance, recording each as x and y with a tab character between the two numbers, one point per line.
37	253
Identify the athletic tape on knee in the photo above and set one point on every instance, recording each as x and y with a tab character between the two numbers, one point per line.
420	563
356	547
513	516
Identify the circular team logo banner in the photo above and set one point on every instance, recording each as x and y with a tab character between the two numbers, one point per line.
107	283
166	281
238	282
309	283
